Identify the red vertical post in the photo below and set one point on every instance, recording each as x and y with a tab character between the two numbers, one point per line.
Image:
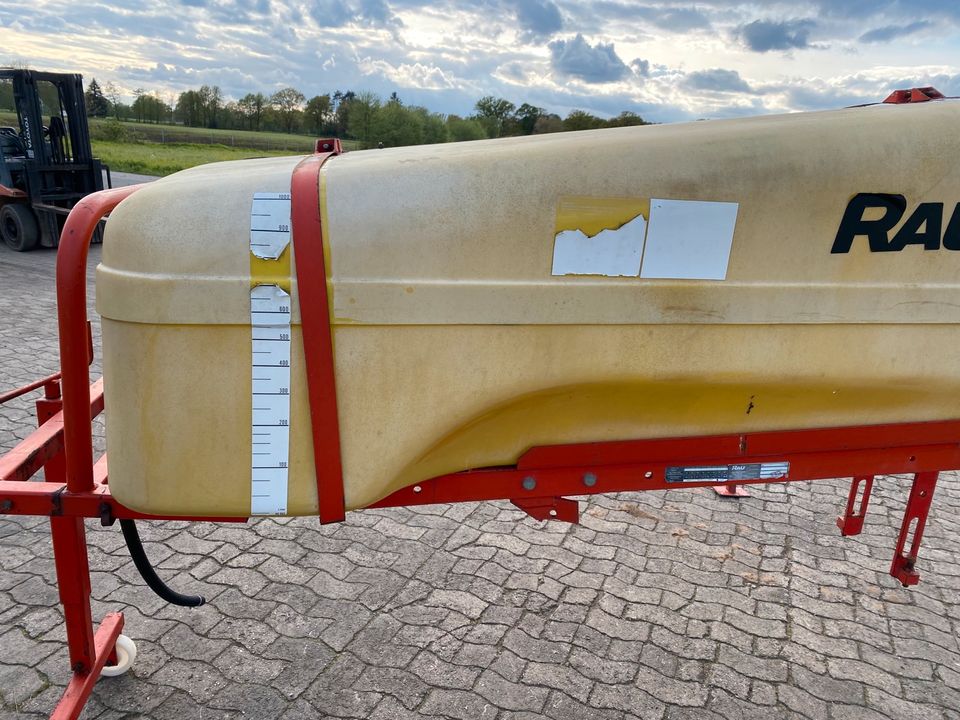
915	520
73	581
55	469
851	522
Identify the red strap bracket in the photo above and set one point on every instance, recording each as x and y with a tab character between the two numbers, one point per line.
315	316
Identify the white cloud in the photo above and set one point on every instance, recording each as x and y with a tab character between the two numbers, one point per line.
664	60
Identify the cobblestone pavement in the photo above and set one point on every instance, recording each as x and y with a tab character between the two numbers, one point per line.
659	605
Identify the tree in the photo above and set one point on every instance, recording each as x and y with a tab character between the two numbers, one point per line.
317	112
251	107
460	129
138	104
493	113
549	123
287	103
149	107
434	126
581	120
112	93
626	118
527	116
190	108
341	113
211	98
97	104
360	113
394	125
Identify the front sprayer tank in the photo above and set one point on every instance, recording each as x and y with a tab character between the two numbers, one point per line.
778	272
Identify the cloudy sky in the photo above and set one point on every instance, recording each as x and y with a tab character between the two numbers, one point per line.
667	61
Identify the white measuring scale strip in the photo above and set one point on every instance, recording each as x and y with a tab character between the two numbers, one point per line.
270	359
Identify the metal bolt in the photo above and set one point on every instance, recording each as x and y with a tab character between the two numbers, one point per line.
648	474
553	513
417	489
589	479
529	483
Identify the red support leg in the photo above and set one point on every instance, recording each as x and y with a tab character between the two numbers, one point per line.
73	580
81	684
851	522
731	490
915	519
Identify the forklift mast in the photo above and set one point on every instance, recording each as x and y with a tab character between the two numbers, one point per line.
45	167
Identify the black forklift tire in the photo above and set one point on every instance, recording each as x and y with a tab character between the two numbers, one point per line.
19	228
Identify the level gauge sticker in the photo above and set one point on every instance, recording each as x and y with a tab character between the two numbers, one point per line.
727	473
269	224
270	426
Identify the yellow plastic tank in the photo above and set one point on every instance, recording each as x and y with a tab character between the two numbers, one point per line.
778	272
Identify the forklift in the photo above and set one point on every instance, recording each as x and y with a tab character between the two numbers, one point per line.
45	168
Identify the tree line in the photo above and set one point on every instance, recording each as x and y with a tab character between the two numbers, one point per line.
361	116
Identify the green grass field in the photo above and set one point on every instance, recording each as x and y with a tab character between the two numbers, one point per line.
164	149
163	159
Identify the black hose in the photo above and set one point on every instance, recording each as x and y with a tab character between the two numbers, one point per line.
149	575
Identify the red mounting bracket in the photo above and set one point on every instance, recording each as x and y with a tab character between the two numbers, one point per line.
550	508
851	522
914	521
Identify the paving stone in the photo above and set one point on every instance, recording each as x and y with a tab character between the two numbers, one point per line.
458	704
508	695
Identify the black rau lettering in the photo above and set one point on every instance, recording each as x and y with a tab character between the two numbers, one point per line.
951	238
929	216
876	231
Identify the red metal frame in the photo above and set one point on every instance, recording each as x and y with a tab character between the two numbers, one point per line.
315	326
589	468
76	488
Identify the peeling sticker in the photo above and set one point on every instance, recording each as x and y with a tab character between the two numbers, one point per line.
613	253
599	235
269	224
651	238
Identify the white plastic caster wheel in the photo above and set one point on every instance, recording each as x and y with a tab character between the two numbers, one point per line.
126	654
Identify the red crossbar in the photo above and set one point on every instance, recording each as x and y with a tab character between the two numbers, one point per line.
44	443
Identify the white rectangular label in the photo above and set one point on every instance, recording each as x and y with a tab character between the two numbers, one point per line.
688	240
269	224
270	424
